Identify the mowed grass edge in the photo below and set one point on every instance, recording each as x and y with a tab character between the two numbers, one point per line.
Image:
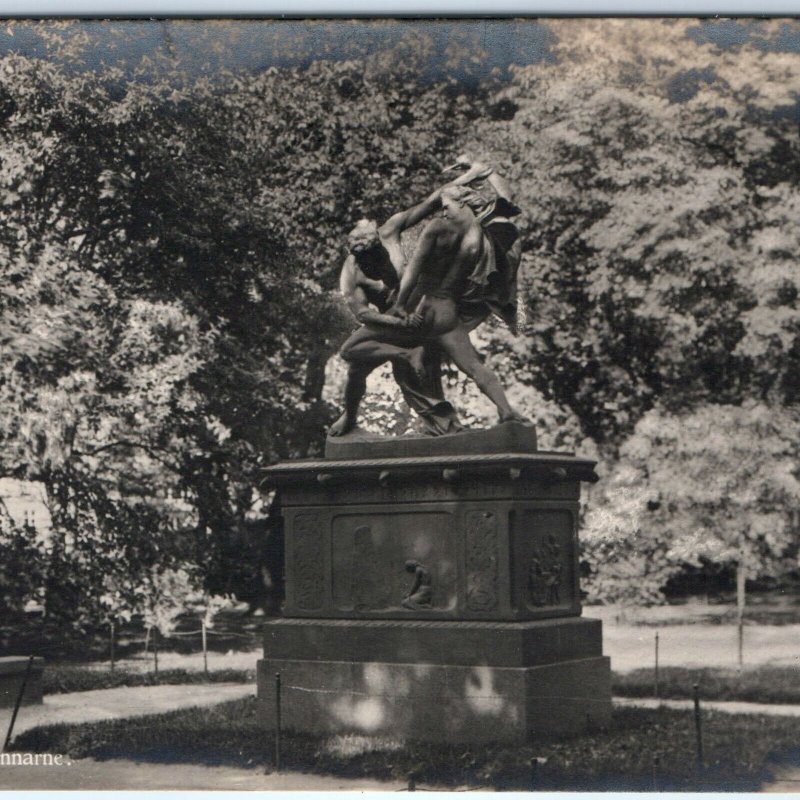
766	684
61	679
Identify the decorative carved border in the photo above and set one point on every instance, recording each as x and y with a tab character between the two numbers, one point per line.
308	576
481	558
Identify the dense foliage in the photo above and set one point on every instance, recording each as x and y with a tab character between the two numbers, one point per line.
168	246
169	243
659	178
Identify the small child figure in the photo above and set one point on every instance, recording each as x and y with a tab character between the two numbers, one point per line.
420	593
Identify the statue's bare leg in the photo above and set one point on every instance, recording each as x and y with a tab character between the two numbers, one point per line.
375	348
459	348
354	390
364	351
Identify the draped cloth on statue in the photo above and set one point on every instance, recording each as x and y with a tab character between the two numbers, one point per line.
492	284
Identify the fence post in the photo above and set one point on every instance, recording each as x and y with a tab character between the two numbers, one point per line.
277	722
155	649
698	729
111	624
740	600
18	702
656	764
534	774
205	647
655	687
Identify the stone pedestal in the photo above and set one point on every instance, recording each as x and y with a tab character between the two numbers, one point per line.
12	671
433	593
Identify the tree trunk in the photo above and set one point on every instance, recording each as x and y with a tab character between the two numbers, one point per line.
112	646
155	650
740	599
205	647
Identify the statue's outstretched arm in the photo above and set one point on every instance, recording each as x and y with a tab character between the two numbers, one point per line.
476	171
403	220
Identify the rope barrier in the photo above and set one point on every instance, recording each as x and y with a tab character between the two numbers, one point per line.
175	634
498	697
254	634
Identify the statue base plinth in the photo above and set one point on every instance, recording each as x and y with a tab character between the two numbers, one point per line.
508	437
493	648
437	702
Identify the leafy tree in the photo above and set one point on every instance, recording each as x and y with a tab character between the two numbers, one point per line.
718	483
165	335
22	563
169	243
626	560
657	178
165	595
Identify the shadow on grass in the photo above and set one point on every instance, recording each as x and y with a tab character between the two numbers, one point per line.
641	750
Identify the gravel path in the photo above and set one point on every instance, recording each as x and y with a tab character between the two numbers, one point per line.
88	774
126	701
116	774
699	645
629	646
728	706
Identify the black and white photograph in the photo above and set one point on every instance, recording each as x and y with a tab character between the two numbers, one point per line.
400	404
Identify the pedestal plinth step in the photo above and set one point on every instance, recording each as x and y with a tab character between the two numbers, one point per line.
435	702
499	644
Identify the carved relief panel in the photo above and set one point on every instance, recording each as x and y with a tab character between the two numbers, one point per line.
544	560
393	562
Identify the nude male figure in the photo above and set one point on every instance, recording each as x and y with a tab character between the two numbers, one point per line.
453	265
369	283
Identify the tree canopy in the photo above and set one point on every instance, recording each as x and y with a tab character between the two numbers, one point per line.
171	239
169	246
658	233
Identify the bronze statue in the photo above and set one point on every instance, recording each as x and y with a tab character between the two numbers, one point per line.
369	283
463	268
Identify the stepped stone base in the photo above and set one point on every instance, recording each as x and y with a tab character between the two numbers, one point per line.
12	671
432	591
436	681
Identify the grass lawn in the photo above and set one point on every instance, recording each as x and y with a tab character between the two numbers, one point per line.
59	678
642	749
756	684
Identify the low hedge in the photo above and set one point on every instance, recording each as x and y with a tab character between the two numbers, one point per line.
59	679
